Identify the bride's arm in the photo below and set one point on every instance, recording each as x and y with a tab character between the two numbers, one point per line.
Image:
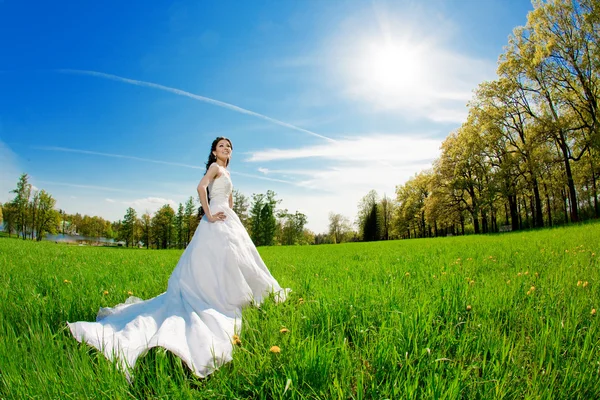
211	174
230	200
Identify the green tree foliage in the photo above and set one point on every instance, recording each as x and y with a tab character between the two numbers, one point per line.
262	218
340	229
146	225
180	227
190	220
291	228
10	215
240	206
128	227
47	217
163	226
365	207
21	204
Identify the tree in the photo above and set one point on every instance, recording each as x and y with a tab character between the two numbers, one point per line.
262	218
180	225
291	227
163	226
21	203
145	223
190	220
339	227
386	206
371	226
240	207
47	217
127	231
10	215
365	207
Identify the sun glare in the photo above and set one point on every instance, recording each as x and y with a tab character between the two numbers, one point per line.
393	67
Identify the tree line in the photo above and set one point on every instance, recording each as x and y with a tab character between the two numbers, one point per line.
528	154
32	215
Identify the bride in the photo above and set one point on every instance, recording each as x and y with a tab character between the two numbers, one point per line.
198	316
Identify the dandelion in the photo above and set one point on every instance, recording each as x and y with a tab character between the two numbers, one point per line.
66	281
130	293
434	276
532	289
236	340
301	300
469	307
284	330
579	283
105	292
519	274
526	272
407	274
593	254
566	251
472	282
585	283
443	272
593	311
469	259
537	275
275	349
528	293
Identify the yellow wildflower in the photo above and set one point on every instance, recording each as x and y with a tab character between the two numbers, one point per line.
105	292
593	311
284	330
275	349
469	308
585	283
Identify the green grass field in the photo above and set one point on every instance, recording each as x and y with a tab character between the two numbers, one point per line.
479	317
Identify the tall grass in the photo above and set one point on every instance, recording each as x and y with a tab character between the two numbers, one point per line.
499	316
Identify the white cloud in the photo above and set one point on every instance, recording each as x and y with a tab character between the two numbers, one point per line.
345	171
263	170
110	200
399	150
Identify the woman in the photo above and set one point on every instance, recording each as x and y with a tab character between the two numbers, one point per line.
219	272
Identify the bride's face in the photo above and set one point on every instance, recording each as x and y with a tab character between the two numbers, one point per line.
223	150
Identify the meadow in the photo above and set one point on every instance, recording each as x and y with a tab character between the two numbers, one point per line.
476	317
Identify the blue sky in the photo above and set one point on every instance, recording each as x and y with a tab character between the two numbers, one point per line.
112	104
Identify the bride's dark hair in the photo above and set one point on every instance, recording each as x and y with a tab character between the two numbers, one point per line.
211	159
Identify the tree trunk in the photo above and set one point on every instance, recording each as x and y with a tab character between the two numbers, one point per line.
514	213
548	205
570	184
539	217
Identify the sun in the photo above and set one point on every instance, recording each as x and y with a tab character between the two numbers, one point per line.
392	67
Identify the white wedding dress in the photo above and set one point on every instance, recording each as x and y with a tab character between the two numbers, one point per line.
219	272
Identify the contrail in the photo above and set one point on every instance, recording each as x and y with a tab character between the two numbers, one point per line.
96	153
193	96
